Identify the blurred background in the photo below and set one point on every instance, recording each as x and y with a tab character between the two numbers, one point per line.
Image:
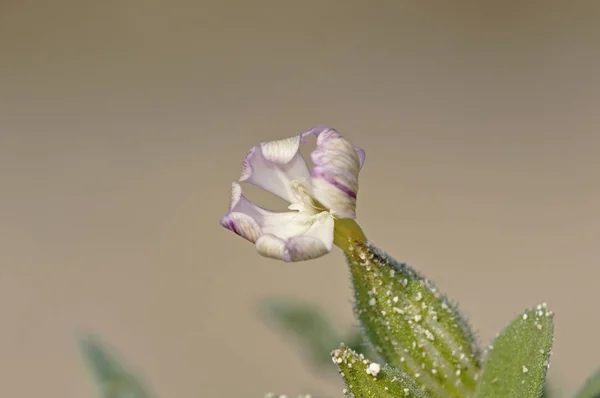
123	123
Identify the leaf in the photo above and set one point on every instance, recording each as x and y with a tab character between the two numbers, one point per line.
311	328
306	323
355	340
366	379
411	325
112	378
591	388
518	360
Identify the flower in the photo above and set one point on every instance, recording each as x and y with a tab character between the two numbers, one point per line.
322	200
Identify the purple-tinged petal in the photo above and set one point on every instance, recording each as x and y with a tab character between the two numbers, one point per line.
335	175
274	165
243	225
318	130
243	215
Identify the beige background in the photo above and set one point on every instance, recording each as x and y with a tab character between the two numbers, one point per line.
122	124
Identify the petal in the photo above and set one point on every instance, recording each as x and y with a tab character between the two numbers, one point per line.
317	242
243	225
243	215
289	236
322	229
335	175
289	225
286	225
318	130
274	165
255	221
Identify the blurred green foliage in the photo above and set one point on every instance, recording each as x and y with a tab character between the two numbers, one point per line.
591	388
313	331
111	376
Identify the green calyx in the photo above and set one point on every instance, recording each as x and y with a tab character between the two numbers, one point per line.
346	233
411	325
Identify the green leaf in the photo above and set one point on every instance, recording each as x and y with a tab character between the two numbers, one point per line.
591	388
113	380
311	328
356	341
366	379
411	325
306	323
518	360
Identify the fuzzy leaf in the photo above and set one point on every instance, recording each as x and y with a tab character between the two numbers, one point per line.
411	325
517	361
112	378
591	388
366	379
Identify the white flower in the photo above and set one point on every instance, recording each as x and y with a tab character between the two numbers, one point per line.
317	197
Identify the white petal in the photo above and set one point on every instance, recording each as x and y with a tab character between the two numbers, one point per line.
335	175
273	165
272	247
285	225
322	229
285	243
281	224
303	248
298	248
251	222
288	225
